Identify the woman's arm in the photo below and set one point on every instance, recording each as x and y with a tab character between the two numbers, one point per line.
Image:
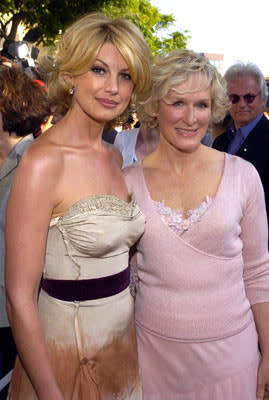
261	316
29	210
256	271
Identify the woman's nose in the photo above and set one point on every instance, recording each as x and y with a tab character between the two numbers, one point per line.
190	116
112	84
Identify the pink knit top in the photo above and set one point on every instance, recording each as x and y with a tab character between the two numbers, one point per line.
199	286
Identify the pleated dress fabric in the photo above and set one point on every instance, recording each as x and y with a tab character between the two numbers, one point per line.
91	343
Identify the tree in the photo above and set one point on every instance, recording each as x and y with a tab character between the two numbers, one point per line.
151	22
45	19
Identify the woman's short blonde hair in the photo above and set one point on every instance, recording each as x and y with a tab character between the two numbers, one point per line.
175	68
79	47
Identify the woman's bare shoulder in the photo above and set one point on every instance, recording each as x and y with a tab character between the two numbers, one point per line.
42	161
44	149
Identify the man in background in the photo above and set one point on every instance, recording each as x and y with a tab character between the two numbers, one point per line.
248	137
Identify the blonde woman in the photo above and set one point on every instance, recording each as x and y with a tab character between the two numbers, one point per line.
74	226
202	265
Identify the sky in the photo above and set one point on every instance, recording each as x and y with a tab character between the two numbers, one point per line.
239	29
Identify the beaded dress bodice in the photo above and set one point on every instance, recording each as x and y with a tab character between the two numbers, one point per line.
93	238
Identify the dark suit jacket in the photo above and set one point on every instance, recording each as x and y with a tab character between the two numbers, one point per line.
254	149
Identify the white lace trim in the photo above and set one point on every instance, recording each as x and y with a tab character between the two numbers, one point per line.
105	204
174	219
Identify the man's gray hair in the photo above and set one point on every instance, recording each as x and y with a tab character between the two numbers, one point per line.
249	69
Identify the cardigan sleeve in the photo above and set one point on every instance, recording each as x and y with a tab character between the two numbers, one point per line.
254	236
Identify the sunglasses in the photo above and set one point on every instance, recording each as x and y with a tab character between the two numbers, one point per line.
248	98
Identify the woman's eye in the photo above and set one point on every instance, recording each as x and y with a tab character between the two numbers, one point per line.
203	105
98	70
126	76
178	103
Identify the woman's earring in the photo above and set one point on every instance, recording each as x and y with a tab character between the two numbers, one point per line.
71	90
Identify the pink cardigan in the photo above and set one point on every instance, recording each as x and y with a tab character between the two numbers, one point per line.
200	286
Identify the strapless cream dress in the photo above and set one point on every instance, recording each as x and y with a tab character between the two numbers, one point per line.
91	344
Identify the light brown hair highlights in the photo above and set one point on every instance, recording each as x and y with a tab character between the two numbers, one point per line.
23	103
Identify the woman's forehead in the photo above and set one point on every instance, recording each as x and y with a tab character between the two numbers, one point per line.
193	83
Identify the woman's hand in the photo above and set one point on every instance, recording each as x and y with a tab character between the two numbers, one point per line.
261	316
263	380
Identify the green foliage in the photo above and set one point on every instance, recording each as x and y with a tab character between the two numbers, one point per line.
151	23
51	17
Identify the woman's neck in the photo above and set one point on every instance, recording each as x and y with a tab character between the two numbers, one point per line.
78	128
169	158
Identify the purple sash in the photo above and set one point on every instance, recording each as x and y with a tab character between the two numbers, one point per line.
87	289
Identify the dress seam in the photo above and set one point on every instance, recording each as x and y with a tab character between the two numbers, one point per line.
201	340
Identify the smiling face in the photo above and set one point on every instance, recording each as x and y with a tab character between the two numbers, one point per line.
104	92
242	112
185	113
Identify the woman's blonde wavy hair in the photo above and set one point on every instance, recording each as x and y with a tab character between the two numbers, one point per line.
79	47
173	69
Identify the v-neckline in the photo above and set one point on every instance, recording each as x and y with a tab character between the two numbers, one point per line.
151	201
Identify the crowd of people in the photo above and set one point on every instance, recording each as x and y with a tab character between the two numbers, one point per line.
24	109
134	262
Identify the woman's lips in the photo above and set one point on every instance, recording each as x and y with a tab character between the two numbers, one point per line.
187	133
108	103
